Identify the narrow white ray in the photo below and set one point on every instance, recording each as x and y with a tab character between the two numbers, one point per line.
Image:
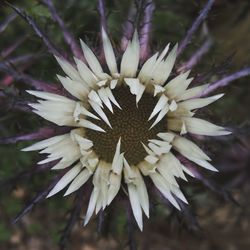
163	54
160	143
149	151
146	70
142	193
113	83
100	112
104	97
172	165
93	96
49	96
199	102
159	149
91	59
80	180
178	85
188	148
59	119
92	204
87	124
166	136
65	180
80	110
163	70
163	100
86	74
178	193
109	53
84	143
163	168
47	160
115	183
75	88
45	143
68	69
111	97
99	203
115	176
105	172
161	185
203	164
160	116
187	171
202	127
135	204
191	93
196	126
130	58
136	88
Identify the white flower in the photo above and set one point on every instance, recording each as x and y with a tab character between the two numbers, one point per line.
126	123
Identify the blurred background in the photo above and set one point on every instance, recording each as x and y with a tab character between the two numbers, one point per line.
218	215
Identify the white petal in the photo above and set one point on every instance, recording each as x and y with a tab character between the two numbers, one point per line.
166	136
100	112
80	110
90	125
164	69
146	70
187	171
159	150
199	102
45	143
178	85
202	127
86	74
75	88
109	53
188	148
91	59
93	96
196	126
111	97
104	97
92	204
203	164
160	116
113	83
115	183
65	180
135	204
68	69
136	88
160	183
78	181
49	96
163	100
130	59
192	92
142	193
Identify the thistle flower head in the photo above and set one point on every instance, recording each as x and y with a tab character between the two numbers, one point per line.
127	122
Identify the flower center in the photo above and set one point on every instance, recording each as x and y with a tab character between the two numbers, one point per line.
130	124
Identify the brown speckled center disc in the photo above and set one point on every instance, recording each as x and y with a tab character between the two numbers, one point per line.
130	123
